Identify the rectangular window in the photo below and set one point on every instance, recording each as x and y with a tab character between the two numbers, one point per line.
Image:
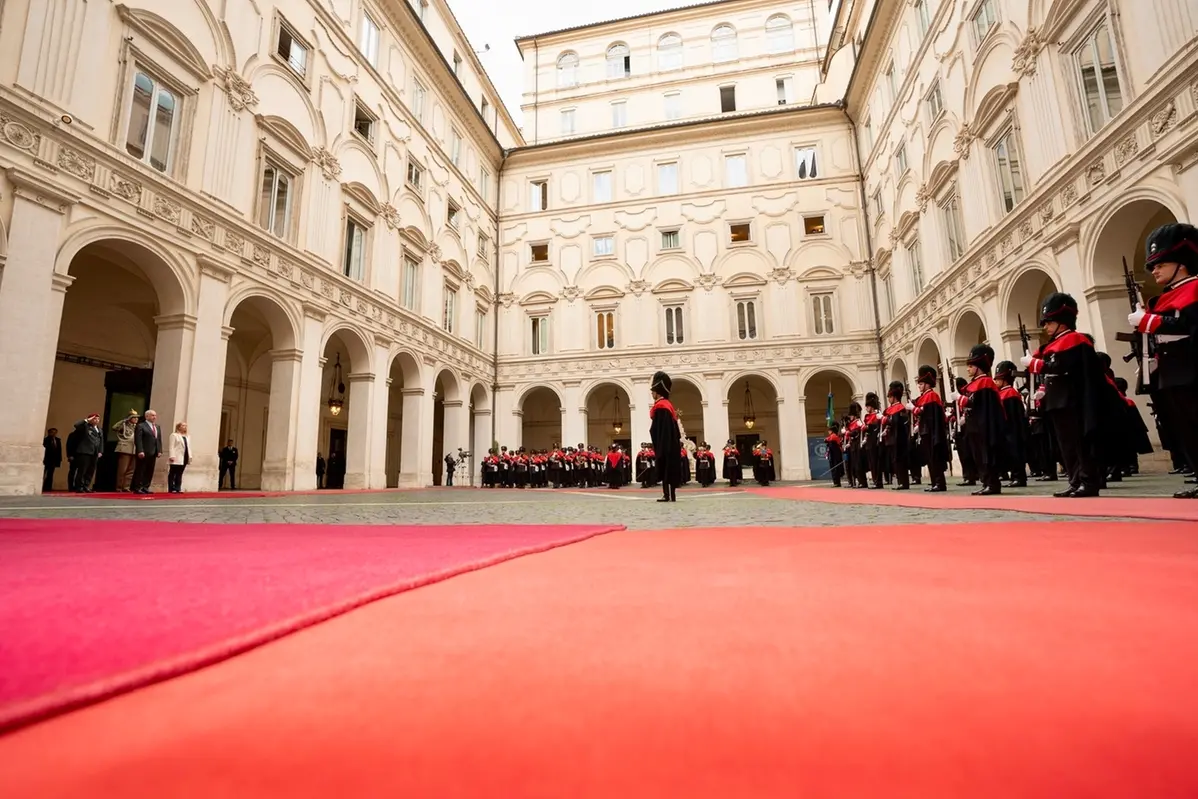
674	331
782	88
746	320
821	310
814	225
619	61
480	327
485	109
915	262
364	122
153	123
457	65
484	246
601	187
891	83
423	9
449	309
935	102
292	51
539	253
736	171
567	121
484	182
667	178
867	127
889	286
415	175
619	114
453	215
604	246
879	209
368	40
673	106
354	265
540	335
671	240
922	20
727	99
274	201
455	147
1098	78
805	164
605	330
1010	173
538	195
900	161
954	226
740	232
418	96
984	19
410	289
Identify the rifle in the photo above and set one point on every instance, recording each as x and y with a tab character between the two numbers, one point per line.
952	424
1140	344
1026	341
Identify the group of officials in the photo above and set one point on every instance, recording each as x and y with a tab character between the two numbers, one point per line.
1071	410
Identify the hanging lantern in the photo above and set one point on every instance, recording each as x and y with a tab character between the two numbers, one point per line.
336	389
750	416
616	426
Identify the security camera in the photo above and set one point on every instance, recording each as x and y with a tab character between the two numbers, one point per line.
66	119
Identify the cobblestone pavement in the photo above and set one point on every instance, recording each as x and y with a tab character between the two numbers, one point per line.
713	507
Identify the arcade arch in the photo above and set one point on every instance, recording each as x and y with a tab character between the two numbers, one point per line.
753	417
823	390
541	419
344	427
608	417
404	397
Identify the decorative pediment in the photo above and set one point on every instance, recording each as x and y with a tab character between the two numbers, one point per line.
819	273
992	105
453	268
941	174
906	223
536	298
362	195
744	280
414	236
168	37
287	134
673	286
603	293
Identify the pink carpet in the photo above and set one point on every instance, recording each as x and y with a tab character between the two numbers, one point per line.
1118	507
89	609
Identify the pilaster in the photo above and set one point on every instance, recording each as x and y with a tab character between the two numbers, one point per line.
359	440
278	463
792	460
202	403
307	426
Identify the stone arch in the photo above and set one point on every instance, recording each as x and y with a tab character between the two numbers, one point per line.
181	46
991	71
355	342
898	371
453	385
280	314
409	366
671	267
360	173
540	423
825	253
1023	293
600	273
1118	231
738	261
927	353
287	133
480	396
414	235
363	194
755	374
595	385
822	382
608	403
968	331
166	270
847	375
518	402
940	144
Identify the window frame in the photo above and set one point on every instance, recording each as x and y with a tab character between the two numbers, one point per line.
659	166
596	255
735	223
453	215
661	241
914	254
953	220
723	42
364	46
596	174
727	92
1086	39
419	99
1008	133
548	259
410	265
281	26
352	219
619	65
360	110
670	49
540	335
823	224
567	78
980	36
619	114
813	161
923	19
142	65
456	147
538	190
601	314
672	114
784	89
563	115
745	307
823	320
772	38
449	307
934	110
480	325
728	159
901	164
675	317
416	168
268	159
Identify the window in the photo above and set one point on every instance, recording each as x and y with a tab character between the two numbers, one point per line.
667	178
274	200
354	265
455	147
879	209
900	161
480	327
821	310
782	89
922	22
889	286
605	330
915	262
423	9
814	225
805	164
364	122
418	95
453	214
674	331
868	128
673	105
935	102
457	65
723	44
153	123
410	290
669	52
567	70
415	175
484	182
954	226
485	110
538	195
567	121
619	114
984	19
449	309
293	52
727	98
368	40
619	61
746	320
604	246
740	232
484	246
779	35
1010	173
601	187
1098	78
736	171
671	240
539	253
891	83
540	335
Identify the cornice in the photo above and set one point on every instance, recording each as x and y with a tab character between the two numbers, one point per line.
638	21
38	190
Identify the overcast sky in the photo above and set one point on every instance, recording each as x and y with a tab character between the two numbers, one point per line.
495	23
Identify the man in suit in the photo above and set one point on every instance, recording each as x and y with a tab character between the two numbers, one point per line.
147	442
52	458
89	447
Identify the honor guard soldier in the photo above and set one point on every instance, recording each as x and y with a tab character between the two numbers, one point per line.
1172	258
666	436
896	424
931	426
1016	422
983	421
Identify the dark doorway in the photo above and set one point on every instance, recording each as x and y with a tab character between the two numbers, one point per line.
745	443
335	463
125	390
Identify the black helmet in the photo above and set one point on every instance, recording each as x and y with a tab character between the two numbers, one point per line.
1059	307
981	356
896	389
1176	243
1006	371
927	375
661	384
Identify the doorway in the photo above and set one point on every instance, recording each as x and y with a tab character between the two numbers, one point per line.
335	463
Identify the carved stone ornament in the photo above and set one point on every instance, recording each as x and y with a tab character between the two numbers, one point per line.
507	298
638	287
203	227
326	289
781	275
167	210
125	189
707	281
285	269
327	162
390	215
1069	195
308	279
19	135
1047	213
1164	120
76	163
241	94
1025	55
922	196
1025	230
569	294
347	299
234	242
434	254
362	306
1125	149
894	236
963	141
1096	173
260	255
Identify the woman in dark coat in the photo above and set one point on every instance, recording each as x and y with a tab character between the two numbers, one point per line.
667	439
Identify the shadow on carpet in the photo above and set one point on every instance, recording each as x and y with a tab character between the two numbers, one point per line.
90	609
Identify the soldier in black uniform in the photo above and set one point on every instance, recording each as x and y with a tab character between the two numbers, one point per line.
896	427
932	429
1016	422
1172	258
983	425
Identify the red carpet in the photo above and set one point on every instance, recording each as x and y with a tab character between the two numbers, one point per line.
1152	508
92	608
1038	661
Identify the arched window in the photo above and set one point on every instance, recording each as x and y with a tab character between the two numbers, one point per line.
669	52
779	34
723	43
619	61
567	70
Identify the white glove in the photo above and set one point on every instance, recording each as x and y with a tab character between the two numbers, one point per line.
953	396
1025	360
1135	317
909	406
1039	394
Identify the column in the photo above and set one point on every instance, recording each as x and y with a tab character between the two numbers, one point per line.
482	443
307	414
380	410
358	441
415	460
638	410
574	418
174	352
278	462
792	430
206	395
715	410
31	297
457	427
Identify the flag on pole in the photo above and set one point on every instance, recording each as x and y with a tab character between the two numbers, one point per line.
831	412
